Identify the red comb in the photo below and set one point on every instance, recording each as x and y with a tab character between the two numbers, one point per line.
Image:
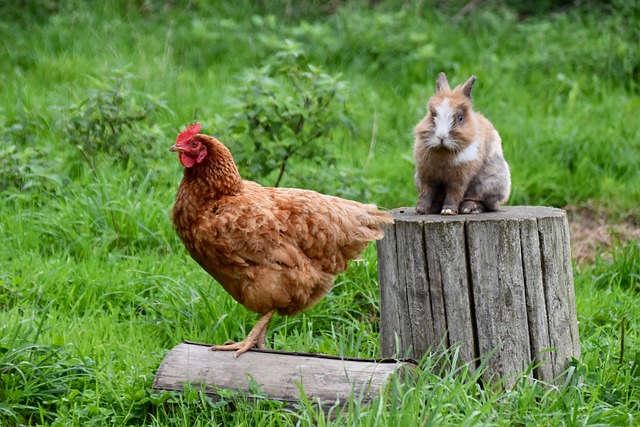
191	131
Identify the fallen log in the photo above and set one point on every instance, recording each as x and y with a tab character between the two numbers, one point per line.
278	375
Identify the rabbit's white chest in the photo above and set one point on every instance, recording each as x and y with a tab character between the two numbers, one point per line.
469	154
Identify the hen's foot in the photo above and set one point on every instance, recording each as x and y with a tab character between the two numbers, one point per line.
240	347
255	339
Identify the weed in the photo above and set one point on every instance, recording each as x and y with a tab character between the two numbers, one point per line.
115	121
35	377
27	161
619	267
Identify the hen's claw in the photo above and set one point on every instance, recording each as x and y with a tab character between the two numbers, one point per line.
240	347
255	339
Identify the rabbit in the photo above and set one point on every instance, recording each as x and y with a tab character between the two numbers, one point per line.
458	156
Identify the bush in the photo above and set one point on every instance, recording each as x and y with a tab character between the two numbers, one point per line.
114	122
27	162
289	117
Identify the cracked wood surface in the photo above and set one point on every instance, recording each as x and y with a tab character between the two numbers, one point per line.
498	283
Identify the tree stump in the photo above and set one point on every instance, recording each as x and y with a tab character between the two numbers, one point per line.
498	282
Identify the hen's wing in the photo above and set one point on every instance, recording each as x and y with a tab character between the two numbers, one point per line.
329	230
247	234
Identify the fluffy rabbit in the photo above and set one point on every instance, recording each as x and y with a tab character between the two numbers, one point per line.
458	156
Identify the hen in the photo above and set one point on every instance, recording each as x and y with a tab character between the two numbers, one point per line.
271	249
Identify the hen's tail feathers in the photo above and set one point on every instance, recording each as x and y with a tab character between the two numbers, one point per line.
373	222
369	226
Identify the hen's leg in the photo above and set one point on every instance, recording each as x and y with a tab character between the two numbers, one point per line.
255	338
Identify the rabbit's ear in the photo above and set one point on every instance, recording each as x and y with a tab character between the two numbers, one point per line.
466	87
442	83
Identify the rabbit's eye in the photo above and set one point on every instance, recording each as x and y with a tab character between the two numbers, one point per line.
460	118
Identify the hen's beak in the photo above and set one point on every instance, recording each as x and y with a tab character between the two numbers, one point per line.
175	147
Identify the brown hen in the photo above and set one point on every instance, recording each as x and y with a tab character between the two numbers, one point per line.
271	249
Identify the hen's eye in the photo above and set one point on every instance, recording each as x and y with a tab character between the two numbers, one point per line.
193	144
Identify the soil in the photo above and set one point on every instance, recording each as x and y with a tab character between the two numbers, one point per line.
593	231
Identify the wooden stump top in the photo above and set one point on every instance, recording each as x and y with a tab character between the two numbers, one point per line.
504	213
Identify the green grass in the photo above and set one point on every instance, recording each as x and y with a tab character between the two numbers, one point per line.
95	286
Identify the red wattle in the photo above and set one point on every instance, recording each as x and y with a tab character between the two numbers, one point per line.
186	161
